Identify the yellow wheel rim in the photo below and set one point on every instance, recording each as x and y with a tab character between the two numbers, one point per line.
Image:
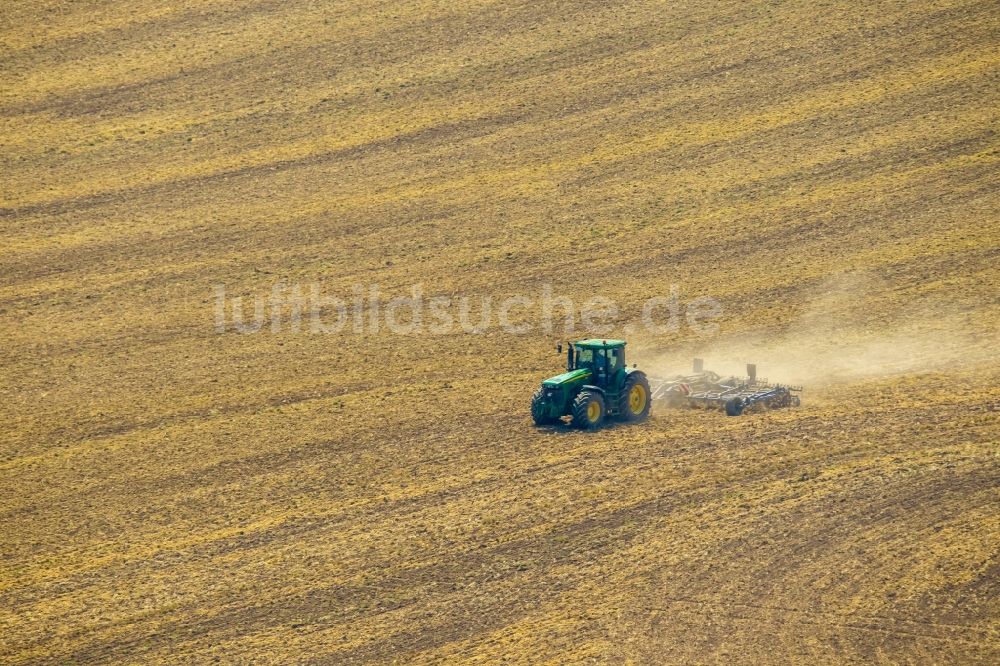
593	411
637	399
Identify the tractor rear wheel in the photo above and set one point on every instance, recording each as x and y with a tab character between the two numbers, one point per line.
588	410
539	412
634	402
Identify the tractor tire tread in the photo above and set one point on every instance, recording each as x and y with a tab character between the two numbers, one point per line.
625	413
580	404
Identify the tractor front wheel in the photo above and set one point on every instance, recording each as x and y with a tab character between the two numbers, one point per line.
588	410
539	410
634	403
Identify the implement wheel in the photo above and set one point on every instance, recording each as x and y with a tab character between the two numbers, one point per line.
734	407
588	410
539	411
635	398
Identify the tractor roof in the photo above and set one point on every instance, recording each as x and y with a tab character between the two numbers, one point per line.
594	343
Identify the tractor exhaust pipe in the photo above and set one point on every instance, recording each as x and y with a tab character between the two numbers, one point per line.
752	372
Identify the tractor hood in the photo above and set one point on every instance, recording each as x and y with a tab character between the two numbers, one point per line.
565	377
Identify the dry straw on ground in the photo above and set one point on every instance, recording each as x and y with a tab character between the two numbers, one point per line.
173	495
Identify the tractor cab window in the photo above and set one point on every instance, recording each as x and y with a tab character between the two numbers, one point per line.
584	358
617	359
600	361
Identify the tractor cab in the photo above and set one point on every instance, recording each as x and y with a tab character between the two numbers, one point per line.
605	359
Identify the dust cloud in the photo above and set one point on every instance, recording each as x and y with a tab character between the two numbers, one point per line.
848	330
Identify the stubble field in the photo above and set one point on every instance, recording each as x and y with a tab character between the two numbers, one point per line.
169	493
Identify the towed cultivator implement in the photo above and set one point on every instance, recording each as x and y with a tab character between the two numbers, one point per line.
707	390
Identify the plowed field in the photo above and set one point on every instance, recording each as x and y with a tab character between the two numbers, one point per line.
827	172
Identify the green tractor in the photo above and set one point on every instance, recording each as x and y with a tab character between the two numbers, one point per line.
596	385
